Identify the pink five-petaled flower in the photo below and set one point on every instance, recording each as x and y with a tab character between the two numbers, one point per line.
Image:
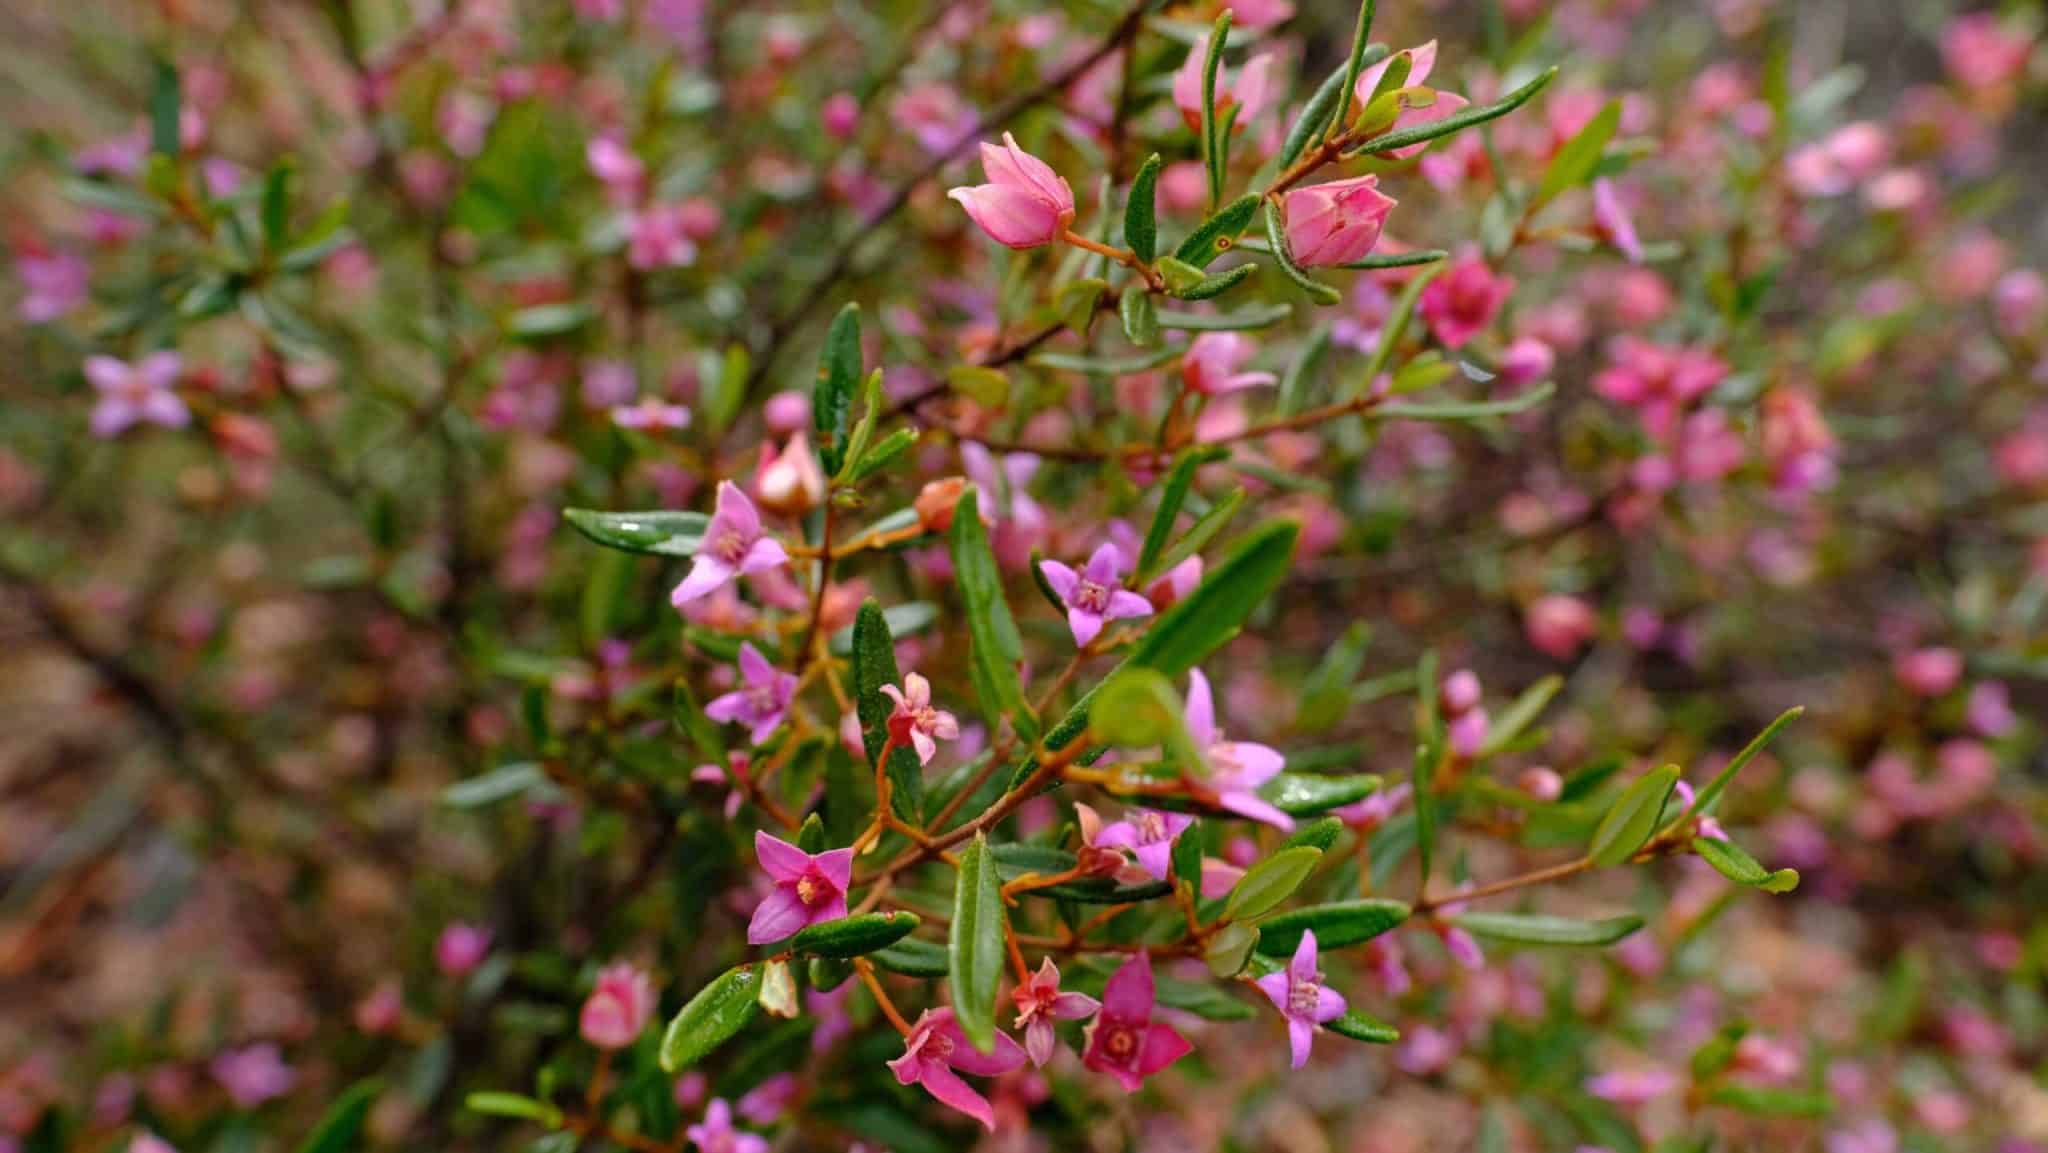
1040	1003
1336	222
936	1047
808	889
733	544
1095	595
619	1007
1024	204
1236	768
916	721
1213	362
1148	834
715	1133
1459	304
135	394
1245	92
1421	61
1300	995
762	702
1124	1041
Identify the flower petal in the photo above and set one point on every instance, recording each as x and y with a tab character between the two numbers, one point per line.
1128	993
1163	1046
780	859
707	575
837	865
1200	712
778	915
951	1091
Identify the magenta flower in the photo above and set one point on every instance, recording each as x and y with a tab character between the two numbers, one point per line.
1213	362
1460	304
1633	1086
658	237
936	1047
651	412
1124	1041
1300	995
1095	595
618	1008
1149	835
253	1074
1040	1003
715	1133
53	284
808	889
1421	61
140	393
1236	768
761	703
1024	204
733	544
1611	217
1336	222
916	721
461	948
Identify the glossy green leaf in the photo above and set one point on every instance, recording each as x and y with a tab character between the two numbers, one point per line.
975	951
1457	411
164	111
1326	694
874	665
1141	224
711	1018
1140	317
1106	365
1338	925
1228	950
995	649
1426	804
277	185
1544	929
1185	860
879	457
1078	302
1319	834
658	533
1386	260
1361	1027
1731	861
1307	794
519	779
1574	163
341	1128
839	376
1200	533
1315	114
1215	132
1219	233
855	936
912	957
1633	817
1270	882
1211	287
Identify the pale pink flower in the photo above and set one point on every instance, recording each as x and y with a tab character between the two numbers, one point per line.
1300	995
253	1074
1213	363
916	721
1462	302
734	544
1146	833
53	284
715	1134
762	700
1336	222
141	393
1246	91
1025	203
1095	595
936	1048
1236	768
619	1007
1421	62
1039	1003
461	947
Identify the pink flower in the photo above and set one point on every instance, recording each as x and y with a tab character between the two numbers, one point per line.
764	700
1461	691
136	394
915	720
1024	204
54	283
1236	768
1300	995
1982	52
1560	625
461	948
381	1011
658	237
1336	222
1460	304
808	889
1929	672
936	1047
1246	93
1124	1041
1632	1086
1421	61
651	412
1211	365
1611	217
619	1007
790	482
1040	1003
715	1133
1990	709
1149	835
1095	595
146	1142
840	115
1259	13
253	1074
733	544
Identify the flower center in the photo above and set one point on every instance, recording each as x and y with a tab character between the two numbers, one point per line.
937	1047
730	546
812	890
1091	597
1152	829
1302	998
1120	1042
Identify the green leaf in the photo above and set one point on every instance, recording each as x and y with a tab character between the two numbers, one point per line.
1137	708
1457	121
1424	787
912	957
516	1106
1544	929
1634	816
1270	882
1140	317
1390	332
874	665
1573	164
1326	694
1106	365
1276	241
341	1127
1319	834
1306	795
1171	498
1215	134
1077	303
1463	411
879	457
1398	260
1219	233
811	836
500	784
995	650
546	320
1772	1102
1731	861
1211	287
1314	115
657	533
1185	861
839	374
854	936
1228	950
984	386
1201	532
975	951
164	113
1337	925
1360	1027
276	208
1257	316
1354	63
1141	224
1711	795
1519	715
711	1018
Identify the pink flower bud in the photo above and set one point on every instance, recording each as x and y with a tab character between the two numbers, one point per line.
1560	625
1025	203
1336	222
841	115
1461	691
619	1007
1929	672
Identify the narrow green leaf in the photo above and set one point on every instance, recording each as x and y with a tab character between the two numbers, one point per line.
1731	861
1219	233
276	208
854	936
1454	412
1391	332
1215	135
995	649
711	1018
1424	785
1077	303
548	320
1307	363
1201	532
1633	817
1398	260
1360	1027
1256	316
975	950
839	375
879	457
1361	36
1457	121
1574	163
500	784
516	1106
341	1127
1314	115
1270	882
1140	317
1228	950
1106	365
1141	224
1336	926
1543	929
1211	287
1276	241
1711	795
1326	694
657	533
1307	795
1519	715
1171	498
1185	861
1319	834
1769	1102
874	665
912	957
164	111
